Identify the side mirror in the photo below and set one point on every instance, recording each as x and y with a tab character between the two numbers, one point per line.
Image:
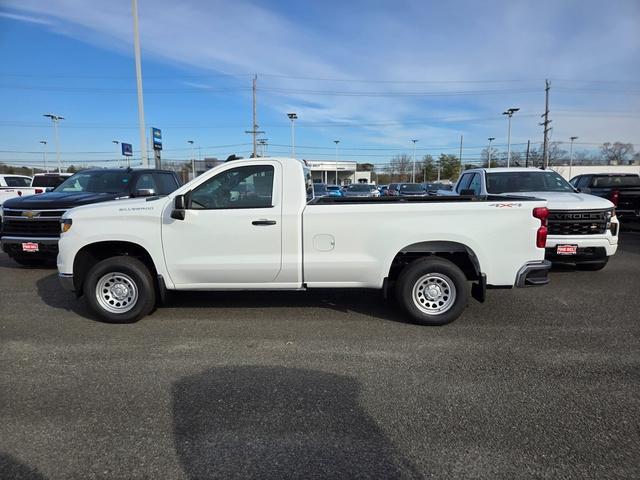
179	207
145	192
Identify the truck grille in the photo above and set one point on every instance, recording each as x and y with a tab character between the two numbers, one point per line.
577	222
31	223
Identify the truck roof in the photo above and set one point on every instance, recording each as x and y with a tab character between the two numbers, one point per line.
505	169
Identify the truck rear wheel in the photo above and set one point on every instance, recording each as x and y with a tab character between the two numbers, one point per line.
433	291
120	289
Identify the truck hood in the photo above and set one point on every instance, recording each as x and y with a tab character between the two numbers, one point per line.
568	200
59	200
142	206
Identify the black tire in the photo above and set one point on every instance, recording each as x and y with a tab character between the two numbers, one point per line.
33	261
592	266
440	275
125	272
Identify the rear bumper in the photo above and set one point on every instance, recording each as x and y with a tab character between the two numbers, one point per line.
533	274
583	255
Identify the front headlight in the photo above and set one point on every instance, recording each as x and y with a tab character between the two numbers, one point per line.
65	224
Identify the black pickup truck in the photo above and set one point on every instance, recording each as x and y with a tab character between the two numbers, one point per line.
622	189
31	224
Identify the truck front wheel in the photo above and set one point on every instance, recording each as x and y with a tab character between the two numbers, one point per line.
433	291
120	289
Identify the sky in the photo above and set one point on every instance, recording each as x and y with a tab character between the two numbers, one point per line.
372	74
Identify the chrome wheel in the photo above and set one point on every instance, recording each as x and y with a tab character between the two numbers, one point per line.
434	293
116	292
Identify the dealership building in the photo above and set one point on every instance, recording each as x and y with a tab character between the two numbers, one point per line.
327	172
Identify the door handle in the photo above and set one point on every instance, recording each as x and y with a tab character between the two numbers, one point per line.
263	222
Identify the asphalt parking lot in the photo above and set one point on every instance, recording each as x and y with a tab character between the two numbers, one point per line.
540	383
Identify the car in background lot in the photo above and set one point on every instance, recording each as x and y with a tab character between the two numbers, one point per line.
393	190
320	190
432	188
335	191
622	189
412	190
12	186
583	229
361	190
383	189
31	224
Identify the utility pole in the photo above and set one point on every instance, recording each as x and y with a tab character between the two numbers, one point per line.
545	124
571	155
413	170
336	142
136	47
526	160
293	117
44	154
254	131
461	154
54	120
491	139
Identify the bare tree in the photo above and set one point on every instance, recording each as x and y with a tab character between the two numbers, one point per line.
400	167
617	153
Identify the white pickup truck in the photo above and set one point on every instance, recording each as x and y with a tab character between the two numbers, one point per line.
12	186
583	229
255	225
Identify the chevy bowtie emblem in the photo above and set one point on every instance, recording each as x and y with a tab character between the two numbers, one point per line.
30	215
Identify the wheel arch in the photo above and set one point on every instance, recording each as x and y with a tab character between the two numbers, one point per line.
95	252
461	255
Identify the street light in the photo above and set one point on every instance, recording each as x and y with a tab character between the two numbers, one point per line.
119	152
293	117
336	142
193	160
413	170
571	155
491	139
44	154
509	112
54	120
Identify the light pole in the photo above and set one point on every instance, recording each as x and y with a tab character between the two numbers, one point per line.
118	151
54	120
44	154
136	49
509	112
293	117
491	139
193	160
336	142
413	169
571	155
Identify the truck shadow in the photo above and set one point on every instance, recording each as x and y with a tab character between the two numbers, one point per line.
366	302
274	423
12	468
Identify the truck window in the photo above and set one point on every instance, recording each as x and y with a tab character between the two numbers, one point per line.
612	181
48	181
146	182
166	182
241	187
17	181
534	181
465	180
583	181
476	184
308	181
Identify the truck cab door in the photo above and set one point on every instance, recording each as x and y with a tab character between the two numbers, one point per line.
231	232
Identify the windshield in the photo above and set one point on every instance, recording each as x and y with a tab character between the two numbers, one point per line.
412	187
617	181
359	188
535	181
106	181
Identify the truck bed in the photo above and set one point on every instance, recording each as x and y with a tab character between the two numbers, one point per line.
429	199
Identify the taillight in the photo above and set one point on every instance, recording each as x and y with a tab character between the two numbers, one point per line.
541	213
615	195
39	190
19	193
